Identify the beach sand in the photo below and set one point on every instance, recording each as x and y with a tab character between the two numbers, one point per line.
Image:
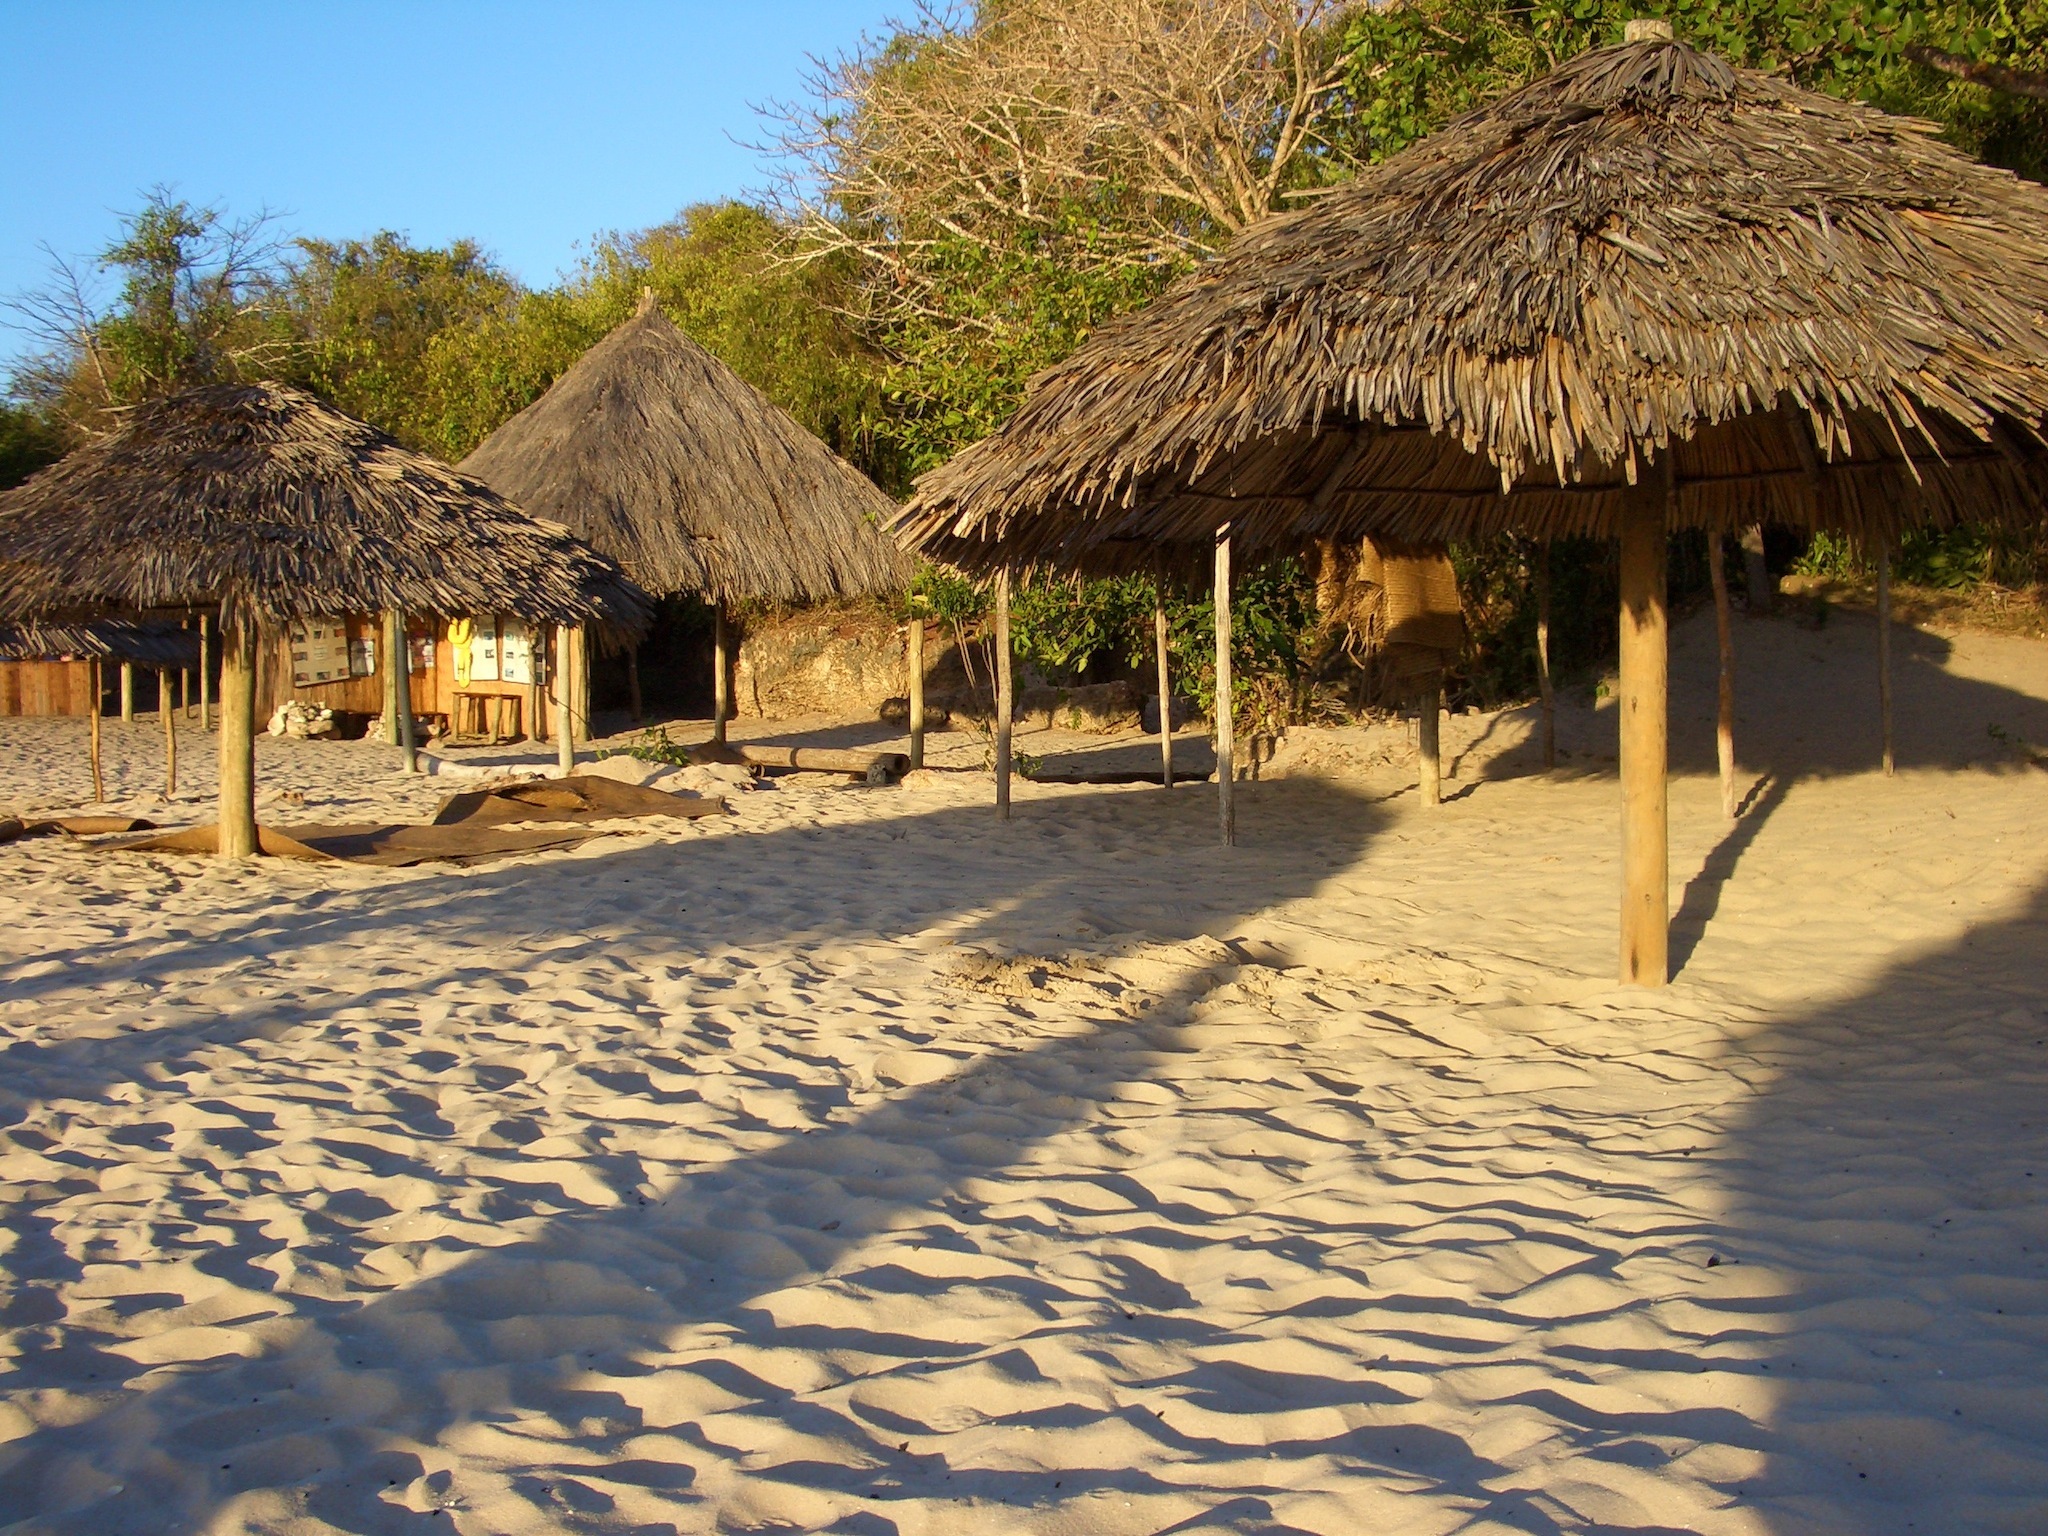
858	1163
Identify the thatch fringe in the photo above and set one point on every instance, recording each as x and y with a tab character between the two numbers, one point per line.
693	480
1825	316
267	504
145	644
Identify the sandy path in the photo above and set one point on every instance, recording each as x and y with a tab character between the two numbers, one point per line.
855	1163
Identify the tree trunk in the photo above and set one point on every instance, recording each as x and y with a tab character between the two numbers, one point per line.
1724	711
1756	575
1429	751
1645	815
1005	695
1884	652
1226	805
1165	693
237	745
914	664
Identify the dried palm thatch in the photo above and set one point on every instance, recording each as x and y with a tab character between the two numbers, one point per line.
692	479
1814	313
264	502
143	644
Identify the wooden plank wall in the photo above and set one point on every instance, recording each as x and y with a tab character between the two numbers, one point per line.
47	687
432	693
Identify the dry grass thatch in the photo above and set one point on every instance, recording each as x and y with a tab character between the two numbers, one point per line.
146	644
667	460
1813	313
269	504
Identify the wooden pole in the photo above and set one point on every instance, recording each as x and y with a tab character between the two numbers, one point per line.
185	690
1005	695
398	696
721	666
205	676
1543	679
127	690
1724	713
237	745
392	677
1226	807
633	683
579	684
99	787
914	663
1429	754
1884	651
170	719
1165	692
1645	811
565	731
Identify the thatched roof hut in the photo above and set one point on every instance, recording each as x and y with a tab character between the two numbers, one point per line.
1648	290
665	459
266	503
1649	248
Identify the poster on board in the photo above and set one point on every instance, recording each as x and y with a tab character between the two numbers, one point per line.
362	657
515	652
320	652
483	652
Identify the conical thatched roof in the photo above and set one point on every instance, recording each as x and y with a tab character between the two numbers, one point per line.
266	502
1497	326
692	479
145	644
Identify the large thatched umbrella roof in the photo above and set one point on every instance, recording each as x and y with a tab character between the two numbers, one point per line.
1498	326
267	503
693	480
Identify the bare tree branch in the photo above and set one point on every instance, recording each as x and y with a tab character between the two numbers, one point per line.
1995	77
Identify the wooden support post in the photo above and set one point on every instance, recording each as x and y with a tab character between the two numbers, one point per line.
1757	575
633	683
170	719
1006	700
1884	651
185	691
398	695
1226	805
1724	710
99	787
127	690
1429	753
1165	691
1544	683
914	664
205	675
391	676
721	703
565	729
237	745
579	685
1645	720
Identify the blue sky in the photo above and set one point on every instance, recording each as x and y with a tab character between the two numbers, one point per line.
527	126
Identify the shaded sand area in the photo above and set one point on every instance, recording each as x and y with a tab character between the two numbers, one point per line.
855	1163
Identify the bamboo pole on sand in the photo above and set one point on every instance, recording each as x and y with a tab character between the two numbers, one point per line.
1428	743
1543	679
170	718
564	671
1724	709
237	745
1005	695
1226	806
721	668
914	664
1645	722
99	787
205	677
1165	692
1884	652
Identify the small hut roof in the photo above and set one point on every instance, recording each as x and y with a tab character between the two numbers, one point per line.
270	504
1494	328
692	479
145	644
